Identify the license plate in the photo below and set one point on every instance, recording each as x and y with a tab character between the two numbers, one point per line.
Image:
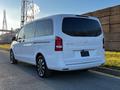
85	53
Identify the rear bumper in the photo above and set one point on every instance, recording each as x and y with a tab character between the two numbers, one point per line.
81	66
61	66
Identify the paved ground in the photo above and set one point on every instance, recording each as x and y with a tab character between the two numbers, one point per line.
24	77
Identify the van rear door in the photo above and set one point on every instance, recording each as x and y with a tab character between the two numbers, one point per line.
82	39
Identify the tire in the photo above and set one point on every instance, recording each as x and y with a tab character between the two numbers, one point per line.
12	58
42	68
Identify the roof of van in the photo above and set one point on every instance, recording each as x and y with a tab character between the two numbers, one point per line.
65	15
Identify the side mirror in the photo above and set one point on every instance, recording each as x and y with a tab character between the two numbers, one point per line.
14	39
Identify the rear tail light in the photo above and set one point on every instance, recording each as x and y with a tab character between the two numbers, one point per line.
58	44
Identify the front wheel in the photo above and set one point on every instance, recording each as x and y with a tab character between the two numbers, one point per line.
12	58
42	68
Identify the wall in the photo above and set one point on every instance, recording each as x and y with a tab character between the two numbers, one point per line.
110	19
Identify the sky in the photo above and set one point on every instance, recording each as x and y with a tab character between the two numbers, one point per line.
51	7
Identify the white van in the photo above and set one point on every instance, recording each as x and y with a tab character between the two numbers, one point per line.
60	42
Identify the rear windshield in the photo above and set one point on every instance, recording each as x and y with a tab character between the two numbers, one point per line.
81	27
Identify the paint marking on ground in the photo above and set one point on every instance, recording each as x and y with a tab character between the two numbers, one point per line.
104	74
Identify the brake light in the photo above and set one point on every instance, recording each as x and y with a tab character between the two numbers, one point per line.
58	44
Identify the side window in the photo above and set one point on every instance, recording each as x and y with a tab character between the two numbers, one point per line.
29	31
44	27
21	34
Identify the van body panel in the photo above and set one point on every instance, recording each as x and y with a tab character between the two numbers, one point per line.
79	52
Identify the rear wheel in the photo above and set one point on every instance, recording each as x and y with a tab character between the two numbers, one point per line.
41	66
12	58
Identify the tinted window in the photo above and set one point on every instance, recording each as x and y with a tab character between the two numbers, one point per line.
21	34
81	27
44	28
29	30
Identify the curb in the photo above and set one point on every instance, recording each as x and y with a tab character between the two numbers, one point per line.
108	71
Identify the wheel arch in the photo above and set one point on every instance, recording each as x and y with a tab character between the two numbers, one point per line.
10	49
39	54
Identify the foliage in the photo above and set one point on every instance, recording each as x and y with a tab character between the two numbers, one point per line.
112	59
